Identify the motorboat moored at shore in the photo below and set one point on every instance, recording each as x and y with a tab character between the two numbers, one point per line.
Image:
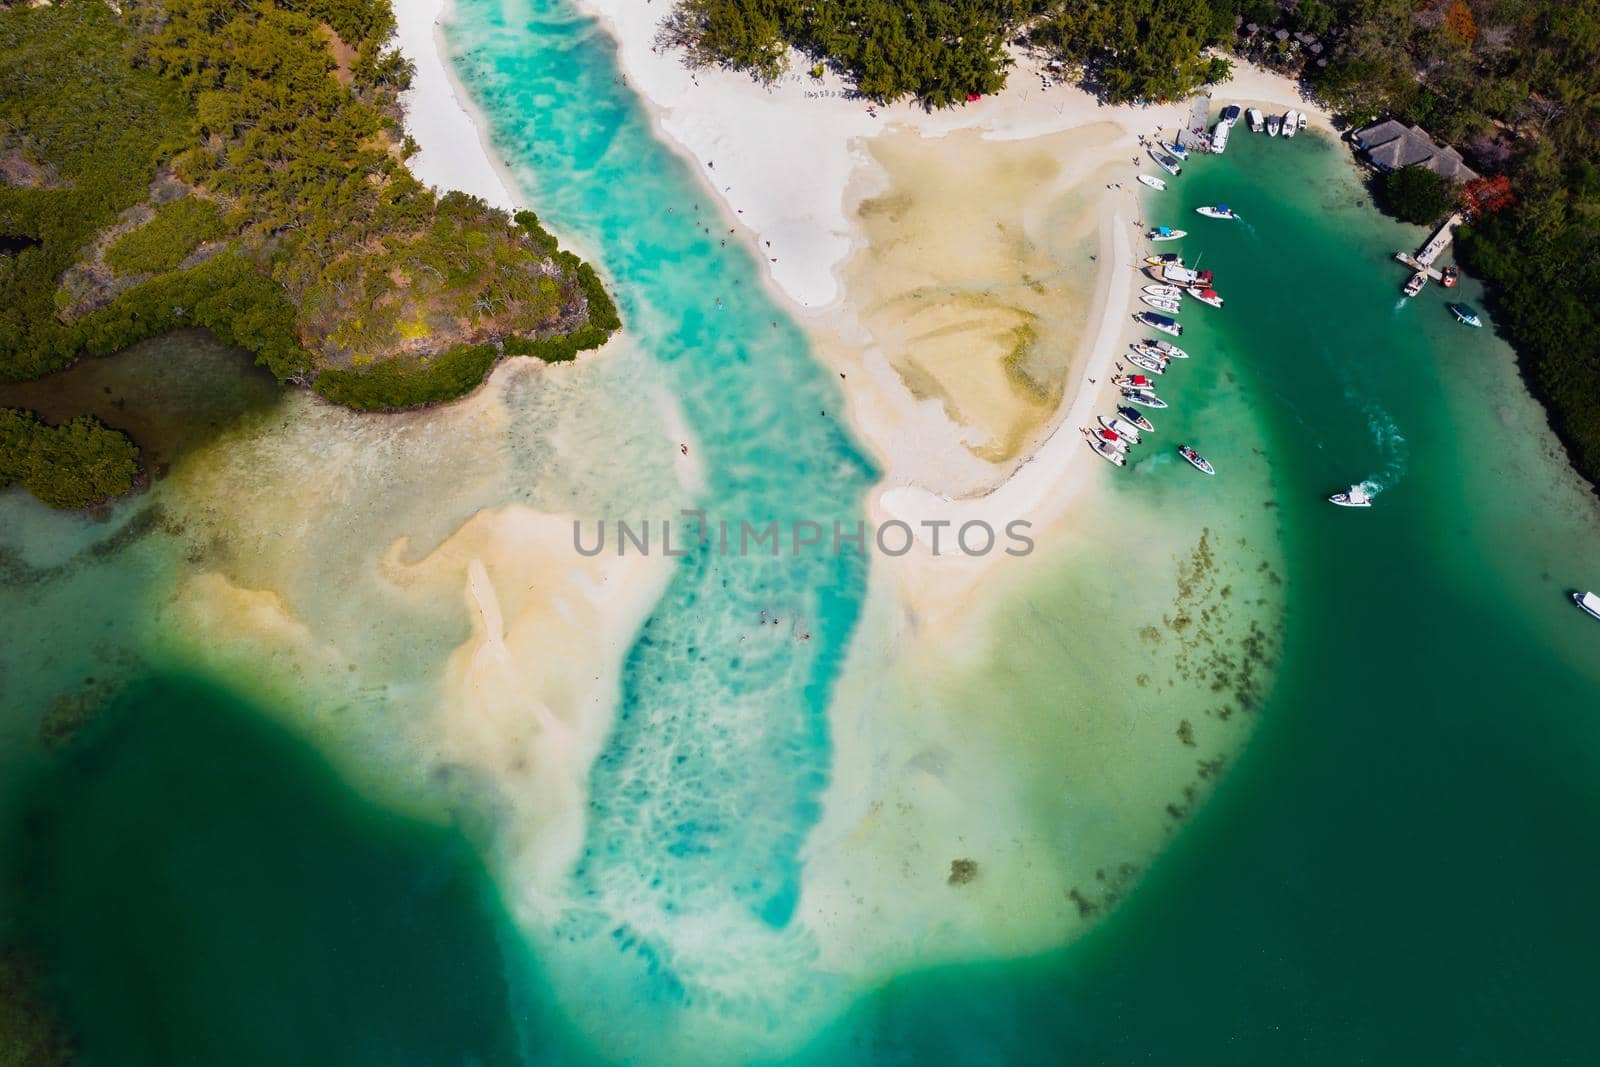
1164	259
1114	439
1355	497
1449	276
1415	283
1588	603
1160	322
1196	460
1105	451
1137	418
1253	116
1175	149
1121	427
1292	123
1153	364
1166	162
1230	115
1135	381
1153	182
1166	233
1274	124
1300	120
1220	211
1219	137
1143	398
1185	277
1171	307
1465	315
1205	296
1167	348
1170	292
1148	348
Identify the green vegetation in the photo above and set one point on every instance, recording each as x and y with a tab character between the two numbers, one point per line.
75	465
176	230
1417	194
270	132
940	51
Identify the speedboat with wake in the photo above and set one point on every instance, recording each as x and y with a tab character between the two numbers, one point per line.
1175	149
1160	322
1221	211
1121	427
1205	296
1415	283
1153	364
1167	348
1136	417
1196	460
1355	497
1588	603
1143	399
1153	182
1166	233
1166	162
1171	307
1167	292
1465	315
1105	451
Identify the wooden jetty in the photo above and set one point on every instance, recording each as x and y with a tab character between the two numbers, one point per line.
1193	136
1431	251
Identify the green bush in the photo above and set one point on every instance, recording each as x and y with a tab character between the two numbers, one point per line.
178	228
1417	194
78	464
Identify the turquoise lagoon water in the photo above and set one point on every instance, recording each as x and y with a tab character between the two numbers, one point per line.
1397	870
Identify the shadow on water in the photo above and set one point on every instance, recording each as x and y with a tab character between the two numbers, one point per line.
201	888
171	394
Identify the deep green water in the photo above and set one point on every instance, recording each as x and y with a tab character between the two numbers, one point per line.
1398	870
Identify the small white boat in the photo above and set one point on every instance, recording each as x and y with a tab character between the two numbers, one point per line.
1148	348
1166	233
1121	427
1160	322
1465	315
1415	283
1230	115
1221	211
1136	417
1171	307
1114	439
1152	364
1143	398
1196	460
1165	259
1291	123
1185	277
1588	603
1175	149
1135	381
1300	120
1205	296
1253	116
1170	349
1171	292
1166	162
1355	497
1153	182
1274	123
1219	137
1106	452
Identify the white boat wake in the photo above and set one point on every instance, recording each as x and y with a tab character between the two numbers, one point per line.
1392	448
